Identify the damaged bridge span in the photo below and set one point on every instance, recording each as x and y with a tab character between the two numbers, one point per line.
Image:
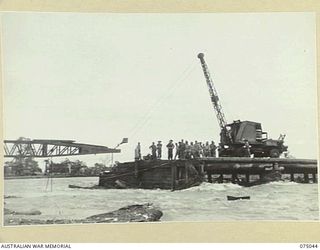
180	174
51	148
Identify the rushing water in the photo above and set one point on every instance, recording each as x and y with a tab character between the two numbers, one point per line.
207	202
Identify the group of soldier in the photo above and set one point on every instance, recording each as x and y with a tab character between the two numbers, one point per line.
183	150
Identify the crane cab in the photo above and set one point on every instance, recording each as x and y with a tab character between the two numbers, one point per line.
234	135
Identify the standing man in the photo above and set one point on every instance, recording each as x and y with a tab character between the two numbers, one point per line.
159	150
213	148
197	149
190	151
170	147
246	147
182	149
206	149
187	151
137	152
153	148
177	151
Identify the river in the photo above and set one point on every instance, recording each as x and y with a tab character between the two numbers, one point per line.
207	202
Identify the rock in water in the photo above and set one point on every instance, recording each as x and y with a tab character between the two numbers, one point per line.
10	196
30	212
233	198
133	213
93	187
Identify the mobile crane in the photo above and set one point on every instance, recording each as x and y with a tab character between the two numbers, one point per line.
233	136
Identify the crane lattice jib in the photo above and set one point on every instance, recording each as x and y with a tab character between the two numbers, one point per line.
213	94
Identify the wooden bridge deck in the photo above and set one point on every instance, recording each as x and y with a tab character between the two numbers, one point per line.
177	174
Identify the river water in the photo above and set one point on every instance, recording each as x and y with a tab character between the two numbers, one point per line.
207	202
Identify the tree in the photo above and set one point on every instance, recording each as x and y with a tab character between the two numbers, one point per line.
23	165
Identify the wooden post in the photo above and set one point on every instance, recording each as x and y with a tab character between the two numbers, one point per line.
209	174
247	177
233	177
178	173
292	176
202	169
136	170
221	178
173	176
187	172
306	177
314	178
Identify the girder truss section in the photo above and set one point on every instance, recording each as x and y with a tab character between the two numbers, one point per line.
51	148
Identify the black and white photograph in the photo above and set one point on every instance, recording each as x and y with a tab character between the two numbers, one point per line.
154	117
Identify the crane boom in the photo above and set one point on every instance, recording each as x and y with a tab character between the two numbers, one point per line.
214	97
233	136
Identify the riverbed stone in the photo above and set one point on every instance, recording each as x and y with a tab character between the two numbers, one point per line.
133	213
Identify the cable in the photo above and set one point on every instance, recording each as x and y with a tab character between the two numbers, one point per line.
173	88
140	123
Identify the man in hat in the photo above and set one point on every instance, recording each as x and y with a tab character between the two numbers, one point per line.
170	147
212	148
153	148
159	150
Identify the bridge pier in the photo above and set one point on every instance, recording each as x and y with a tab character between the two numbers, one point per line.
234	177
186	172
291	176
209	175
314	178
247	177
173	176
306	177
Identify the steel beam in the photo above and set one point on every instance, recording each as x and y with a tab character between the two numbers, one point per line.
52	148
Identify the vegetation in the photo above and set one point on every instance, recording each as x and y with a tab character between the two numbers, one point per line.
75	168
26	166
22	166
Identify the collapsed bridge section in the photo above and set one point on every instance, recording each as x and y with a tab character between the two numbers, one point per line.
180	174
51	148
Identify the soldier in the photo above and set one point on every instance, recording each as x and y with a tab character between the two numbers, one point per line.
206	150
170	147
213	148
202	149
192	150
182	149
197	149
153	148
177	150
246	148
159	150
137	152
187	151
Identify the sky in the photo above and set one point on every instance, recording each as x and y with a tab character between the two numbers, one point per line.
96	78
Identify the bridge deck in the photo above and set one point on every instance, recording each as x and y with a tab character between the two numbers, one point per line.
177	174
